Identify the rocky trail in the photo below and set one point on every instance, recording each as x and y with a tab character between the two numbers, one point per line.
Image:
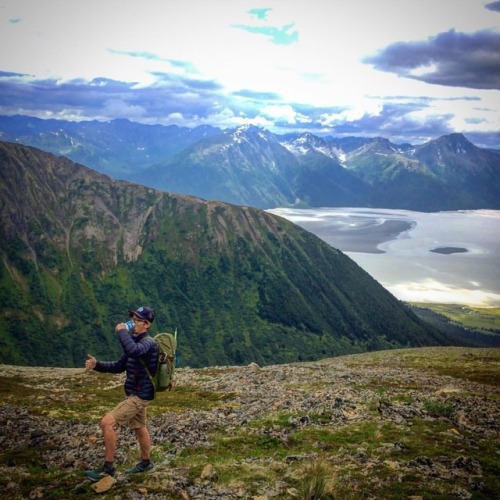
413	423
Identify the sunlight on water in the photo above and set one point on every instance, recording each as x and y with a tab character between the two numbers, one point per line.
447	257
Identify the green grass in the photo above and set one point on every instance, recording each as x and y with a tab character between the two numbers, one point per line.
87	396
475	364
320	457
246	455
482	318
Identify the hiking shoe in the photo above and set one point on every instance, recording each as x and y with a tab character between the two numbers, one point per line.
140	468
97	474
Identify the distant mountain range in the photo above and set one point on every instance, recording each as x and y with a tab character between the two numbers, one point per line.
251	166
78	249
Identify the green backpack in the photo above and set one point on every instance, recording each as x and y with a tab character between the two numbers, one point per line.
167	345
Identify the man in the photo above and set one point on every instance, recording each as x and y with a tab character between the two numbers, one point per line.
139	350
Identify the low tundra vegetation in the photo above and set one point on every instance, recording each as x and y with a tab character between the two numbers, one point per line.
393	424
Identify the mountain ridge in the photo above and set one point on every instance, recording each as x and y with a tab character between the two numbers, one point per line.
251	166
79	249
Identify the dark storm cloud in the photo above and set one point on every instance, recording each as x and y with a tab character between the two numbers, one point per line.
494	6
454	59
194	101
108	98
50	95
396	121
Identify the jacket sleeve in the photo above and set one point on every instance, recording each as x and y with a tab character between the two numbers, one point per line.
130	348
117	366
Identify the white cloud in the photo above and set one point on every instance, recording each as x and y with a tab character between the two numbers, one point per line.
432	291
66	39
284	112
117	107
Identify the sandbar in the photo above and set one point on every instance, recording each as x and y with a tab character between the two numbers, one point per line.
449	250
362	234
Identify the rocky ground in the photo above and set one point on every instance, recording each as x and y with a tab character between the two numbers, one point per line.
421	423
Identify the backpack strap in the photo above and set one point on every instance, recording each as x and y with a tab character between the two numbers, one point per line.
149	373
143	362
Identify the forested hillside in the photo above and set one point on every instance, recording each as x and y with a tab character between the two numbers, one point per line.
240	285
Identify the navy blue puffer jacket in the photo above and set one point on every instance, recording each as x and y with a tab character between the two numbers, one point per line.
137	382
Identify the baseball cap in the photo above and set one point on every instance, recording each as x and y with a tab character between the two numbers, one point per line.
143	312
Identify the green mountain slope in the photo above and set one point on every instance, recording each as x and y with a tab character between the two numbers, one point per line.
241	285
399	179
119	148
465	168
244	166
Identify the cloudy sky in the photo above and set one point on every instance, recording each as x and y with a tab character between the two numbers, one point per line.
408	70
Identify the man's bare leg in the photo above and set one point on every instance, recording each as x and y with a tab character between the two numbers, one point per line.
108	424
144	439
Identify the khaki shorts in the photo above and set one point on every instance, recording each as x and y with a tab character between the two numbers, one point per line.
132	411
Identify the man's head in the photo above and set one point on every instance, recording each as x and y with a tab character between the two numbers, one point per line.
143	318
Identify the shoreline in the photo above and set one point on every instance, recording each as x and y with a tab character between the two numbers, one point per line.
440	257
359	235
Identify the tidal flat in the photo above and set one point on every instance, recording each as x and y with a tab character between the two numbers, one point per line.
439	257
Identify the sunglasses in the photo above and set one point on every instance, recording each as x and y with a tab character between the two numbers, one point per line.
139	320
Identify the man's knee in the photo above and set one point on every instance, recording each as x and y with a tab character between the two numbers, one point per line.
141	431
108	422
